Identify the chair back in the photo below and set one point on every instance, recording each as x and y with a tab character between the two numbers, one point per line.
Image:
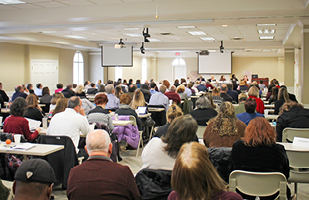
132	118
258	183
158	117
200	131
288	134
298	160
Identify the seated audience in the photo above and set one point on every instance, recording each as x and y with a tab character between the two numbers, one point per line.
19	92
61	105
172	112
292	115
224	95
283	97
3	94
87	85
216	97
34	179
181	91
54	99
269	91
190	86
46	97
209	85
99	113
232	92
257	151
125	109
176	83
250	106
167	84
208	95
161	153
68	92
92	89
194	176
274	95
242	97
203	111
30	88
71	122
138	83
145	90
38	90
261	85
225	129
113	101
79	91
222	78
172	95
153	87
201	86
87	105
59	88
253	93
16	123
291	96
131	90
159	98
138	100
242	86
34	111
99	177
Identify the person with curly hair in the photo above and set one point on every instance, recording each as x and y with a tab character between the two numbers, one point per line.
225	129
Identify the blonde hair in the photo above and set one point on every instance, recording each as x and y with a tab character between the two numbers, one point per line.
138	99
79	89
253	91
180	88
173	111
194	176
215	91
32	101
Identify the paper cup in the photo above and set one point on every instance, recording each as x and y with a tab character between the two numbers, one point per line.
17	138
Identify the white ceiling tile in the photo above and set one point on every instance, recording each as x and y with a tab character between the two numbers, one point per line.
26	6
75	2
50	4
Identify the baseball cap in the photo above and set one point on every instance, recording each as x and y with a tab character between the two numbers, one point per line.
35	170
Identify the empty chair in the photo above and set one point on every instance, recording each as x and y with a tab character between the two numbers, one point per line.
261	184
288	134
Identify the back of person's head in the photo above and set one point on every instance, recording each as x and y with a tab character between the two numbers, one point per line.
153	85
190	85
215	90
61	105
229	86
138	81
288	105
172	112
162	88
259	132
69	86
203	83
138	99
145	86
109	88
79	89
182	129
183	81
32	101
86	83
223	88
98	141
173	88
92	84
18	88
110	82
227	109
194	176
208	95
176	82
250	105
45	91
197	82
202	103
100	99
274	92
130	81
34	180
73	102
18	107
180	89
242	97
125	99
118	90
253	91
29	86
283	94
55	97
166	83
38	85
261	81
59	85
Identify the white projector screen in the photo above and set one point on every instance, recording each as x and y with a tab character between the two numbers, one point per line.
112	57
215	63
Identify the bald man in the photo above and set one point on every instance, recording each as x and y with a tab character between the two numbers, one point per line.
99	177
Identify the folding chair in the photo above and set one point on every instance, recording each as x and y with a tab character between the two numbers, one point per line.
288	134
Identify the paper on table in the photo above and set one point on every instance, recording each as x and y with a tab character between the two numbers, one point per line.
24	146
33	124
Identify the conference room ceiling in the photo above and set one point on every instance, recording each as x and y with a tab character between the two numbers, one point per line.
87	24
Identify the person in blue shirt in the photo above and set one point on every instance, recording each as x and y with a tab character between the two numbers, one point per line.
250	106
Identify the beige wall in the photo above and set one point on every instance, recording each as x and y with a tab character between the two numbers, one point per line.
289	68
263	66
305	69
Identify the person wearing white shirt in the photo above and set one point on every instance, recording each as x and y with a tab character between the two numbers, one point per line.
159	98
70	122
38	90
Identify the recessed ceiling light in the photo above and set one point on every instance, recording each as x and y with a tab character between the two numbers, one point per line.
224	25
212	51
272	31
266	50
48	32
8	2
153	40
267	37
267	31
185	26
197	33
208	38
133	35
266	24
131	29
75	36
260	31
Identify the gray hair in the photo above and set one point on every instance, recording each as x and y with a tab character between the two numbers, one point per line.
202	103
162	88
109	88
73	102
223	88
97	140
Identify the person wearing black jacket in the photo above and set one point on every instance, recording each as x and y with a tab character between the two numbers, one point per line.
292	115
68	91
3	94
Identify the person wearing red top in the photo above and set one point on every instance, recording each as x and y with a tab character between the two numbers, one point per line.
172	95
16	123
254	93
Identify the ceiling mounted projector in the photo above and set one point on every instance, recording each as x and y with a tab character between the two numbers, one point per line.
120	45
